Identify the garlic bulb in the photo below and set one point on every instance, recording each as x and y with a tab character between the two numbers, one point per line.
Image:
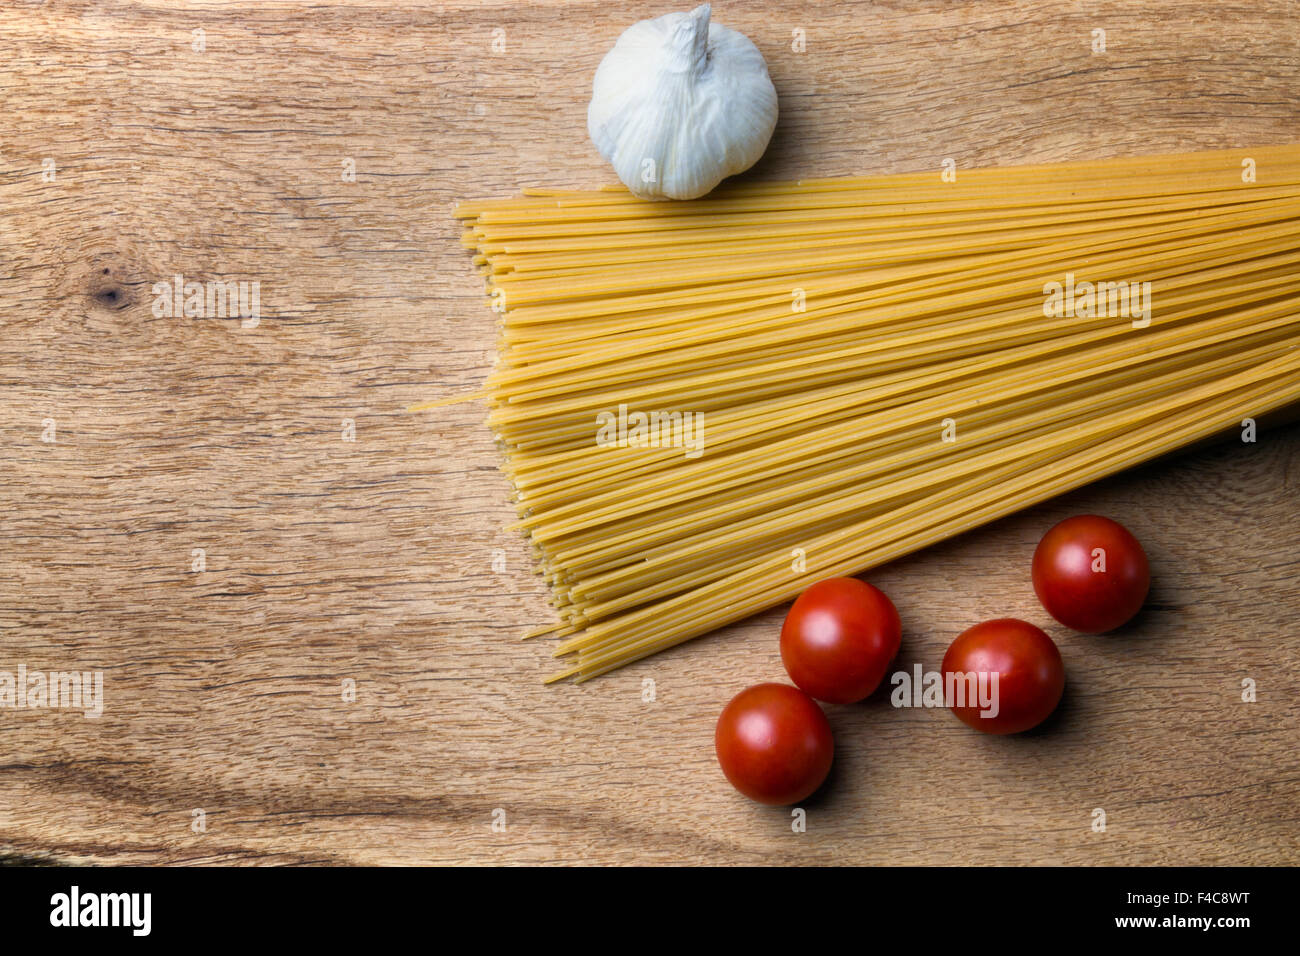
679	104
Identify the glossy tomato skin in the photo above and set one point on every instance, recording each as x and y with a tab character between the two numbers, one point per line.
1031	675
839	638
774	744
1088	600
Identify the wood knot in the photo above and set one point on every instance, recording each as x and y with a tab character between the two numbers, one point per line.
106	292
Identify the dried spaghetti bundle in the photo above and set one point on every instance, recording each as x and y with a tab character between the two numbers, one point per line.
706	406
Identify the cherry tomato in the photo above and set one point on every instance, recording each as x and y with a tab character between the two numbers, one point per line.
838	639
1030	676
774	744
1091	574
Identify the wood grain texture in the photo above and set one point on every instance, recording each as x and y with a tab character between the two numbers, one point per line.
372	560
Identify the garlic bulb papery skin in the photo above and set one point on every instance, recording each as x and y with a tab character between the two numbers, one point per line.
679	104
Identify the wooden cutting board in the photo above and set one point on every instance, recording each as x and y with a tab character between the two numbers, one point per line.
345	543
